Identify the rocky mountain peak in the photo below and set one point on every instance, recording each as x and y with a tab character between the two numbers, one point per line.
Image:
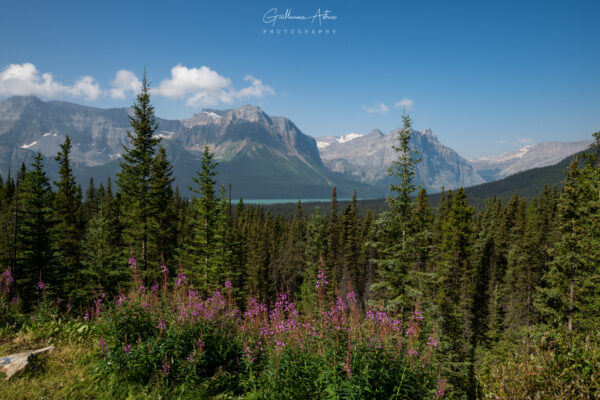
375	133
249	113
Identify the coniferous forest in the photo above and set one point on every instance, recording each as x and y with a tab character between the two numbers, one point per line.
147	294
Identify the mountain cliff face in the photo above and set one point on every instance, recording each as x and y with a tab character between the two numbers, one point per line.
527	157
367	158
259	155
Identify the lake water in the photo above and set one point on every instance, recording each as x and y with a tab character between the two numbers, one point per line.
284	201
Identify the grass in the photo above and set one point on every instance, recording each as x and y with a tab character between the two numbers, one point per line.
65	373
70	371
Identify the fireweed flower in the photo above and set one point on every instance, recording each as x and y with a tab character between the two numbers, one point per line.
228	285
321	279
418	315
132	263
154	288
166	369
126	348
6	280
181	279
351	296
441	388
432	342
164	269
41	285
161	325
121	299
412	353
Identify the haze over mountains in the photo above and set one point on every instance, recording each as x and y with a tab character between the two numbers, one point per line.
261	156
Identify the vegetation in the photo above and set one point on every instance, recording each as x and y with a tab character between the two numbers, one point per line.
148	294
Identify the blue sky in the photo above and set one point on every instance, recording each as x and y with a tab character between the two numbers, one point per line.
485	76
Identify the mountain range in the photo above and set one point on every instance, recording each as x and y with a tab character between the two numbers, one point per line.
261	156
366	159
527	157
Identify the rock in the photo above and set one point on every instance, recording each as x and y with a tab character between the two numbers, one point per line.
14	363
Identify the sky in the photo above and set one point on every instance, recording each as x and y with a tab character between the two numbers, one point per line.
485	76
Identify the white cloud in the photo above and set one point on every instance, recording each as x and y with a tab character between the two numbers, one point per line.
404	103
125	81
24	79
205	87
380	108
199	86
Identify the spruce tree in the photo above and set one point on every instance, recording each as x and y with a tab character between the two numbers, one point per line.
455	294
570	294
332	258
163	229
68	229
199	252
397	240
135	177
35	256
101	267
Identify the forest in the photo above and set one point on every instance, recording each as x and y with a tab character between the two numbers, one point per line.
147	294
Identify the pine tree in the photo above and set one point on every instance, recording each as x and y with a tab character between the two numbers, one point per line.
90	202
68	229
332	258
101	268
455	294
163	231
570	294
35	257
135	177
199	252
397	240
352	273
422	273
315	247
7	206
223	241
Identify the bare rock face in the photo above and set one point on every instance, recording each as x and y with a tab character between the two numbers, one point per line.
261	156
527	157
367	158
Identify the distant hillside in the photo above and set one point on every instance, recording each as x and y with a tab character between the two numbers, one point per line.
527	183
527	157
366	158
261	156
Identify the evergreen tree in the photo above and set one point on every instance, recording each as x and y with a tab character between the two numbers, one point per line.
455	294
135	177
162	238
352	274
223	241
332	258
314	249
90	202
35	262
101	268
199	252
570	295
68	229
397	240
